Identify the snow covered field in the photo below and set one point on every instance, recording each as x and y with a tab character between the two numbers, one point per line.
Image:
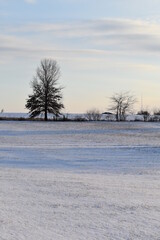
79	181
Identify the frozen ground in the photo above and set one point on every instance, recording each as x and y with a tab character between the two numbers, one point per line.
79	181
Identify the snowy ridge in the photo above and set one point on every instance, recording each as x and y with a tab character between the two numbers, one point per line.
70	116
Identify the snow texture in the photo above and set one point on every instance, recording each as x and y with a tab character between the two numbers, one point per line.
78	181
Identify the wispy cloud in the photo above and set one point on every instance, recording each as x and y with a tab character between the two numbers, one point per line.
84	38
30	1
105	34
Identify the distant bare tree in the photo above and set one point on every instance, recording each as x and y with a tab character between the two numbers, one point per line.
156	115
145	114
157	112
93	115
121	104
46	97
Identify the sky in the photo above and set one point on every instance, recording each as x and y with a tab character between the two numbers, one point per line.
102	47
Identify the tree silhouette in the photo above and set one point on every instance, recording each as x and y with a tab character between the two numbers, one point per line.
121	104
46	97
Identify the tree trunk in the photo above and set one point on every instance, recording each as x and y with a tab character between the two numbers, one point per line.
46	107
45	114
45	117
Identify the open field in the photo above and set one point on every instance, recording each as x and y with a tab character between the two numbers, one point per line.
78	181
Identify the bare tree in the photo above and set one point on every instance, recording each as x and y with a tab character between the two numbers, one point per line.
156	112
122	103
156	115
145	114
46	97
93	115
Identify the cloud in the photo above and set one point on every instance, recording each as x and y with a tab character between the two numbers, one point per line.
83	39
30	1
104	34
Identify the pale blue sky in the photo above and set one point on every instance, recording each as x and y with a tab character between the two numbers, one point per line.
101	46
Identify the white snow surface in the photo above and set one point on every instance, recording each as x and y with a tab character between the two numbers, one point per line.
79	181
